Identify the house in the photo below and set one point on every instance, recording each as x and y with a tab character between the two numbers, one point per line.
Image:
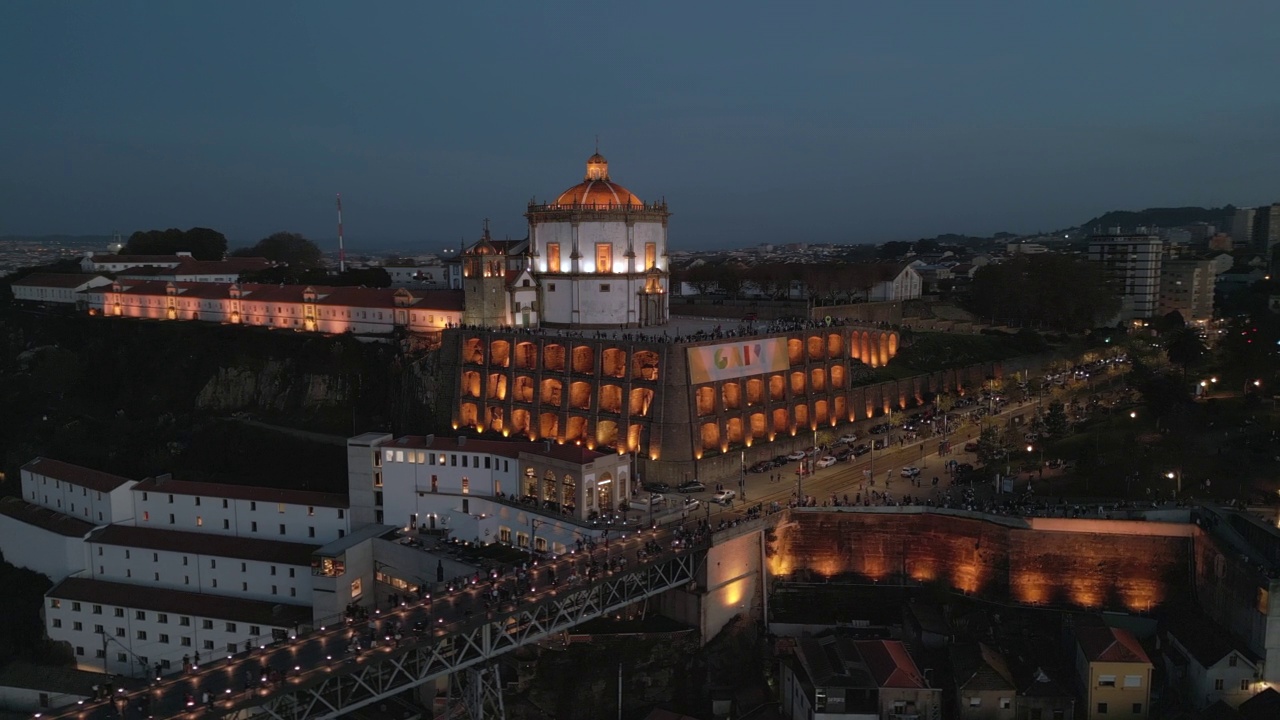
56	288
110	263
1115	673
834	677
925	625
1205	664
985	689
1040	697
1263	706
189	270
882	282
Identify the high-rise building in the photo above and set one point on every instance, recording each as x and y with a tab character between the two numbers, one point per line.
1186	286
1132	262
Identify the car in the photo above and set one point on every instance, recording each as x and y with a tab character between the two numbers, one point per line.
762	466
826	461
910	471
692	486
654	499
848	438
692	503
797	455
657	487
861	450
881	444
724	497
881	429
844	454
780	460
971	447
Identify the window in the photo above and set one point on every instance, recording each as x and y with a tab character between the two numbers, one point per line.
79	650
75	607
604	287
140	614
1217	684
291	571
255	630
77	626
121	657
1106	681
342	513
184	621
164	638
253	526
1006	703
553	257
155	557
142	634
1132	681
1231	661
208	644
280	507
311	511
311	531
1137	708
244	587
197	502
551	287
377	479
199	521
206	624
650	255
1244	685
273	569
171	520
487	459
57	622
1102	708
224	503
226	524
185	642
466	485
119	612
253	505
604	257
162	618
184	561
171	499
355	588
975	702
55	603
377	497
282	528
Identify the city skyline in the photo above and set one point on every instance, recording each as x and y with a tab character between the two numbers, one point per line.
824	124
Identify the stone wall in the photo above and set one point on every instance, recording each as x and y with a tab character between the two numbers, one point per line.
1103	565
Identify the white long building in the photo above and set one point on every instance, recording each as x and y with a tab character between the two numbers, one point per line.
149	573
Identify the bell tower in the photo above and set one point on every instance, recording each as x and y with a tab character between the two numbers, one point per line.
484	284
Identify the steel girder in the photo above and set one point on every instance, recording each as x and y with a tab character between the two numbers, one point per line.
384	672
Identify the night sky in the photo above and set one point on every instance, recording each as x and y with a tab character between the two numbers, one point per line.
757	121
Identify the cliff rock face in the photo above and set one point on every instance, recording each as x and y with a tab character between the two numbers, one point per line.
271	387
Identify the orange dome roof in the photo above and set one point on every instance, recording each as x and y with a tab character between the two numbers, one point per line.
597	189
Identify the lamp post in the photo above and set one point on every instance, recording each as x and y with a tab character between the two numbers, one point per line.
533	533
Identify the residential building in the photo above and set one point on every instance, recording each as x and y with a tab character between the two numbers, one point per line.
56	288
46	541
985	689
507	491
1132	263
832	677
96	497
1204	664
229	270
29	688
242	511
112	627
1041	697
113	263
1115	673
310	308
1186	287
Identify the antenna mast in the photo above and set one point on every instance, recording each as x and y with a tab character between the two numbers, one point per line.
342	252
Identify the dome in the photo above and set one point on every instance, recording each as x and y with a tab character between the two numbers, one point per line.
597	189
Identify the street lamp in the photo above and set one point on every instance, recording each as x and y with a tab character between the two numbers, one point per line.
533	533
1171	475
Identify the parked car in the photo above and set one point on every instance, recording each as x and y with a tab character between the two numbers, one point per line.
826	461
881	444
848	438
861	450
780	460
844	454
971	447
797	455
654	499
724	497
762	466
691	504
657	487
910	471
692	486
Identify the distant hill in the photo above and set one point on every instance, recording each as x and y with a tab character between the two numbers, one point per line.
1161	217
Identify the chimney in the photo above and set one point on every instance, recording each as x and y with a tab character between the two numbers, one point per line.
429	440
163	478
462	440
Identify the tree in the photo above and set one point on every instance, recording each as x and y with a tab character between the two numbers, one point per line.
992	445
1185	348
289	248
1046	289
202	243
729	277
1055	420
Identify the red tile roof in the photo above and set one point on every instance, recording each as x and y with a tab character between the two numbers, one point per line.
890	664
59	280
43	517
195	543
1108	644
510	448
242	492
179	602
76	475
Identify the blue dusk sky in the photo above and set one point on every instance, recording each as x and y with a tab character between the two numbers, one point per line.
758	122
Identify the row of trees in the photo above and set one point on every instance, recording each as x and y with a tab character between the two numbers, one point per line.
1048	289
202	243
836	282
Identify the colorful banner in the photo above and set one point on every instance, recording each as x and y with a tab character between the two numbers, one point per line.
750	356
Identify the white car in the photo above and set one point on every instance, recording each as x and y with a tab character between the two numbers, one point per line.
656	499
692	503
910	472
797	455
827	461
848	438
724	497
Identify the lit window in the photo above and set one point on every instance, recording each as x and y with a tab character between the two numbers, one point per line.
553	257
604	257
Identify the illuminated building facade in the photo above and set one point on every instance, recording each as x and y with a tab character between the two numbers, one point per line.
686	409
599	255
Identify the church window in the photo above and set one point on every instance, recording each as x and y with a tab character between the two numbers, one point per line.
650	255
604	257
553	257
